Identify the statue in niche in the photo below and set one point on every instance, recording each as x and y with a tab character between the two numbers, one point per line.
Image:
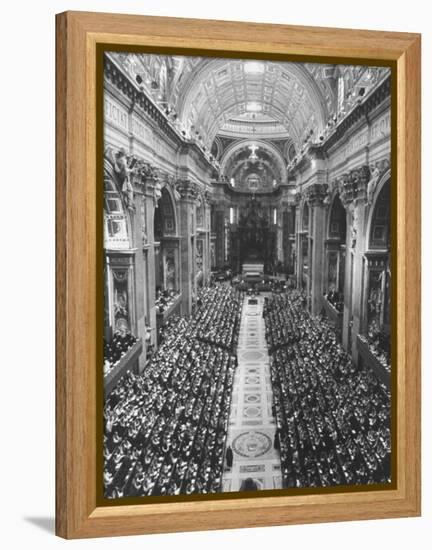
123	169
327	196
354	223
157	193
373	183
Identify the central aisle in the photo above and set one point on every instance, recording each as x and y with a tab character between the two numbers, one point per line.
252	427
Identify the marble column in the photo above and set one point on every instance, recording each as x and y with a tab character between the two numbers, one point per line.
206	246
317	263
358	237
298	247
139	237
353	186
150	267
187	255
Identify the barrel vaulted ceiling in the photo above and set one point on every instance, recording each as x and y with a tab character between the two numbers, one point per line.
212	96
208	98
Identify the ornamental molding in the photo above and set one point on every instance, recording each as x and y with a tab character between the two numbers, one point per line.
317	194
359	185
187	189
352	185
377	170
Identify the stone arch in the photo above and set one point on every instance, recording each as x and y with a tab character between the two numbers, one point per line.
379	223
238	146
165	214
336	224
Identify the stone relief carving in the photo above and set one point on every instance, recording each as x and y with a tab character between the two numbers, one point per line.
377	170
122	166
354	223
317	193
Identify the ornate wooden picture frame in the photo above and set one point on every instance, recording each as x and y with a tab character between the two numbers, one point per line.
81	40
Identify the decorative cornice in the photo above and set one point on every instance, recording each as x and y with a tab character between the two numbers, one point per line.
360	111
114	74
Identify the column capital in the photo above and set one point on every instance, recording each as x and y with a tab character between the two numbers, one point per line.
317	194
298	198
353	185
187	189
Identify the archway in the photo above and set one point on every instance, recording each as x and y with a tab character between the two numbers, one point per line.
166	258
336	254
119	292
304	247
378	294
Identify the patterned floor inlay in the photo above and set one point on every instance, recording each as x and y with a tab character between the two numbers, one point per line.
252	398
252	444
252	355
251	425
252	412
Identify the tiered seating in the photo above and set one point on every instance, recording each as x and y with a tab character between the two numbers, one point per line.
333	421
165	430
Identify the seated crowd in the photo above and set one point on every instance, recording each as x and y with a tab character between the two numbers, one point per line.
121	342
165	299
333	421
165	429
336	299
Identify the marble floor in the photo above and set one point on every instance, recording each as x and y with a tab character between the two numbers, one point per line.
252	428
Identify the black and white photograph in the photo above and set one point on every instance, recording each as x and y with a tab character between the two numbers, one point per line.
247	275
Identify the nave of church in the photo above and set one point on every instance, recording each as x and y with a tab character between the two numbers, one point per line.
247	275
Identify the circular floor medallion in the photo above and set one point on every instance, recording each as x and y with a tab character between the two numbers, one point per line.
252	412
252	444
252	398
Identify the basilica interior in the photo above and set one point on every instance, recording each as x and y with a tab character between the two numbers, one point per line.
247	275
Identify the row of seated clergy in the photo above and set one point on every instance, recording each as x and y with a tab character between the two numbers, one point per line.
165	430
333	421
